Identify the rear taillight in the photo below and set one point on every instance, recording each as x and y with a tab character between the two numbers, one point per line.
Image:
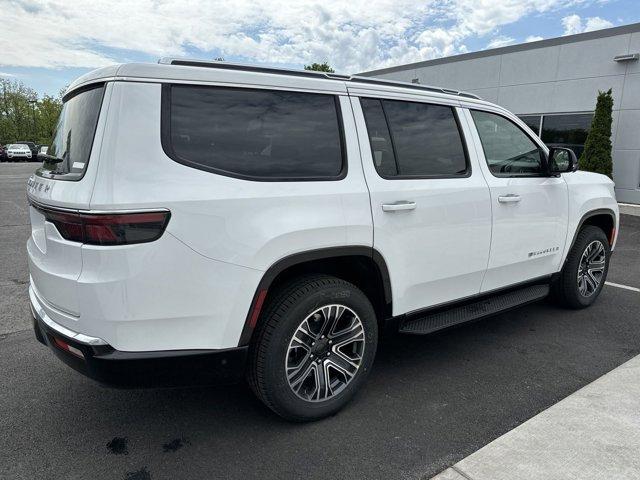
107	229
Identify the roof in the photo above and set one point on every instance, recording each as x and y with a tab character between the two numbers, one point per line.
204	71
551	42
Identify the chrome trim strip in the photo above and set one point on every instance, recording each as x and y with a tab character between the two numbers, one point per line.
39	313
37	203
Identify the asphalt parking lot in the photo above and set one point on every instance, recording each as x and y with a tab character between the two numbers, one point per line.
430	401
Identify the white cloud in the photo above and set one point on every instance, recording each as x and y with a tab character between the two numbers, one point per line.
597	23
6	75
573	24
533	38
353	36
501	41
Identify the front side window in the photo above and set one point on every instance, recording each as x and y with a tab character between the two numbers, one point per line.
411	139
507	149
253	134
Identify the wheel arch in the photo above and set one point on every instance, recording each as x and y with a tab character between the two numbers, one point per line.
357	264
603	218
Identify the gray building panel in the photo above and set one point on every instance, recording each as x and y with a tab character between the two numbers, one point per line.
579	95
631	94
530	66
593	58
555	76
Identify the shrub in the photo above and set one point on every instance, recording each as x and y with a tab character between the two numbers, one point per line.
597	148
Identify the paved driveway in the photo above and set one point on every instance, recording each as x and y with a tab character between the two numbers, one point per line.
430	401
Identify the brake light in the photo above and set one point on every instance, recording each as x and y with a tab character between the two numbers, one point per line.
107	229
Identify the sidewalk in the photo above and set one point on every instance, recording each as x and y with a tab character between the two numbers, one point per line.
592	434
629	209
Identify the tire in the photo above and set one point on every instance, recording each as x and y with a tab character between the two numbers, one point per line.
579	286
312	304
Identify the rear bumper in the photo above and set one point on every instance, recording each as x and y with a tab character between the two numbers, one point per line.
96	359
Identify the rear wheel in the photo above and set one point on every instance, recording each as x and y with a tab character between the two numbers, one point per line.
585	269
314	348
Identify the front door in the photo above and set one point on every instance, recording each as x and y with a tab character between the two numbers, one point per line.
429	201
530	208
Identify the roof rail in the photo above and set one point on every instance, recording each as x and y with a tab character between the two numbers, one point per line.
187	62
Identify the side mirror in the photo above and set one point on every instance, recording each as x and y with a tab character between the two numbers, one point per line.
562	160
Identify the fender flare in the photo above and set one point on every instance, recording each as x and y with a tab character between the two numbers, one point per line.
585	217
303	257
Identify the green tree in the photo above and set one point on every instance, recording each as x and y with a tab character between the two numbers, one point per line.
24	116
597	148
320	67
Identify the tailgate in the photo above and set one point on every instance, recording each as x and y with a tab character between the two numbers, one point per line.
65	183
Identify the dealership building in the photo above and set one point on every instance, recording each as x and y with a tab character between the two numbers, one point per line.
552	86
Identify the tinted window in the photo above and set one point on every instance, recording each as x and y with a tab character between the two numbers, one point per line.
426	139
73	136
532	121
507	149
255	133
566	130
381	148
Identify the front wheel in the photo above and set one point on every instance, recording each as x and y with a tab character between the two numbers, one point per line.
585	269
314	348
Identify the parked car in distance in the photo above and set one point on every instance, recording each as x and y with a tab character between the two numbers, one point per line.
32	147
208	221
43	149
18	152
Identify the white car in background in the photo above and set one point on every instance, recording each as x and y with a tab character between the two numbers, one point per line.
18	152
208	220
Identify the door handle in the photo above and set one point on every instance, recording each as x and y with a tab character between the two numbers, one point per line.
510	198
396	207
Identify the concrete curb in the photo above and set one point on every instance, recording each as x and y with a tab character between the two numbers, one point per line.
629	209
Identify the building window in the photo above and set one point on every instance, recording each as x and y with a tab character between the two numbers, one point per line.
566	131
532	121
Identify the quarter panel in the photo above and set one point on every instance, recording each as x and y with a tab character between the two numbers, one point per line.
248	223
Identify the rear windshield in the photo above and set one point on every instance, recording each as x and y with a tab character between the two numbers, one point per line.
68	153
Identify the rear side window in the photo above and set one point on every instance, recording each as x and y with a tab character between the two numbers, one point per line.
73	137
411	139
253	134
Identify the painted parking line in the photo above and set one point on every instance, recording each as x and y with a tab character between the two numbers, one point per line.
626	287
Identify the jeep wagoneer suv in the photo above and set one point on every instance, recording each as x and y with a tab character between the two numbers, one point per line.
201	221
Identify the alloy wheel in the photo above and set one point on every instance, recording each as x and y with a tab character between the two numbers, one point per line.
591	268
325	353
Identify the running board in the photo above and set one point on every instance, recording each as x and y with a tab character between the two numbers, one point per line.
448	317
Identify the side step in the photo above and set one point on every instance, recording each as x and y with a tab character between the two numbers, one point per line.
449	316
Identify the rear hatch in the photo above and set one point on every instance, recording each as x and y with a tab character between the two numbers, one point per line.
64	183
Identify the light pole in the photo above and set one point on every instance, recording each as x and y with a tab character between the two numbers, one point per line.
33	111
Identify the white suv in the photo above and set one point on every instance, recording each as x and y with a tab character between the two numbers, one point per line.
18	151
199	221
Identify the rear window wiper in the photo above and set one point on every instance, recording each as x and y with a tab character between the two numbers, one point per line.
45	157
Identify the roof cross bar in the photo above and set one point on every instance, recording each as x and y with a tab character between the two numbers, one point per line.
308	73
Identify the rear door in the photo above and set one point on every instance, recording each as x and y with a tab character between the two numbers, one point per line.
430	204
530	208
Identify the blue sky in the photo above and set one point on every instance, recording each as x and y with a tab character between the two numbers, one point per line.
46	44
